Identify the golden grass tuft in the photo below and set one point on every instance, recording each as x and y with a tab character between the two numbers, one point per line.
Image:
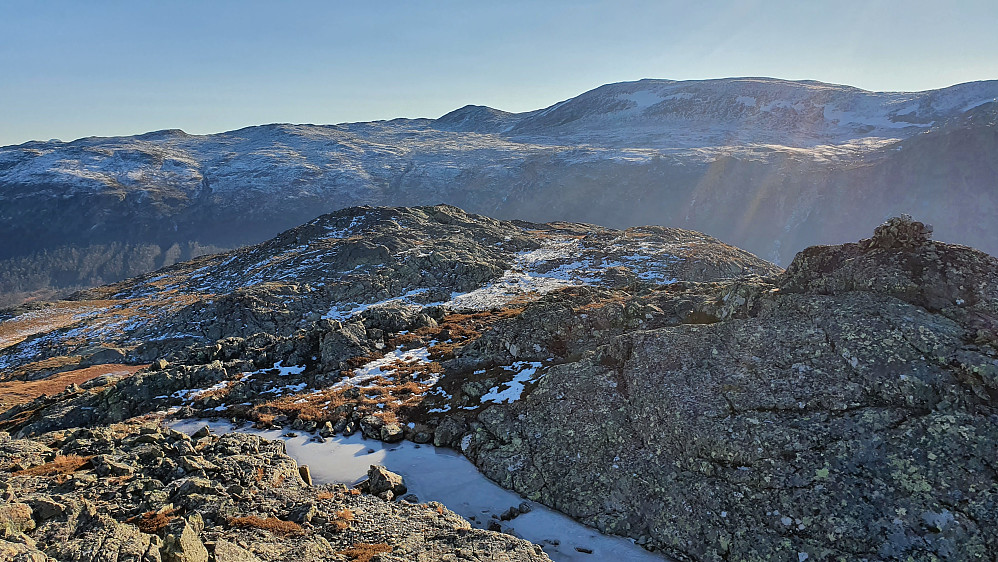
152	522
342	518
13	393
364	552
61	464
270	524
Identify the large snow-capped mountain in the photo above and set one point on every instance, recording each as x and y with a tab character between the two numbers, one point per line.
714	113
771	165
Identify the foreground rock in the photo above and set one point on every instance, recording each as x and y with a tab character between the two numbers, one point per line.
140	492
844	411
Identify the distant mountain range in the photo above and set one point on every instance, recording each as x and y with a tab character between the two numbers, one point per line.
770	165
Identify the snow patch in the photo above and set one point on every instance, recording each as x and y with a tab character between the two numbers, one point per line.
509	392
437	474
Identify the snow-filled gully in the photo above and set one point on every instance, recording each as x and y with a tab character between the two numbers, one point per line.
436	474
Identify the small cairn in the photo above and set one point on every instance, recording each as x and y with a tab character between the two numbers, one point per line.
901	233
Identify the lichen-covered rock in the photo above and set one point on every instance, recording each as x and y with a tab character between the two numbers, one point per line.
844	411
226	551
899	233
182	543
15	519
19	552
381	480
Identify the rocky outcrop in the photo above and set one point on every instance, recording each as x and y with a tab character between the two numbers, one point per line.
225	498
846	410
661	385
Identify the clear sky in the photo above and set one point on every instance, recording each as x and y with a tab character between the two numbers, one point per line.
75	68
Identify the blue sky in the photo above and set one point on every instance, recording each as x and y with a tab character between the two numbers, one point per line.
73	69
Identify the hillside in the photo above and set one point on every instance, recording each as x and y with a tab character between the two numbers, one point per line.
652	382
770	165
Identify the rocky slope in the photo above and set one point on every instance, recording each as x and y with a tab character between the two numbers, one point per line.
769	165
651	382
140	492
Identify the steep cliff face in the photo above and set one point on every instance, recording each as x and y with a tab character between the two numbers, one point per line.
770	165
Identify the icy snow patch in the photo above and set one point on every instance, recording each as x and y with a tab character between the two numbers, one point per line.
373	369
190	394
347	310
513	389
286	371
436	474
286	389
511	285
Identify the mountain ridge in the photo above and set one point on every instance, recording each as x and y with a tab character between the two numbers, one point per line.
772	174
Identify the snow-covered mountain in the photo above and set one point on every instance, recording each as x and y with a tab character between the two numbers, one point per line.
771	165
713	113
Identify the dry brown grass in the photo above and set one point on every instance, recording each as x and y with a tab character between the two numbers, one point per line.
364	552
17	419
61	464
361	360
152	522
214	393
342	519
270	524
21	392
621	298
59	315
57	363
127	311
318	407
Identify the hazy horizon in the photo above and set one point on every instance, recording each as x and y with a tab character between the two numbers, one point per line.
114	68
